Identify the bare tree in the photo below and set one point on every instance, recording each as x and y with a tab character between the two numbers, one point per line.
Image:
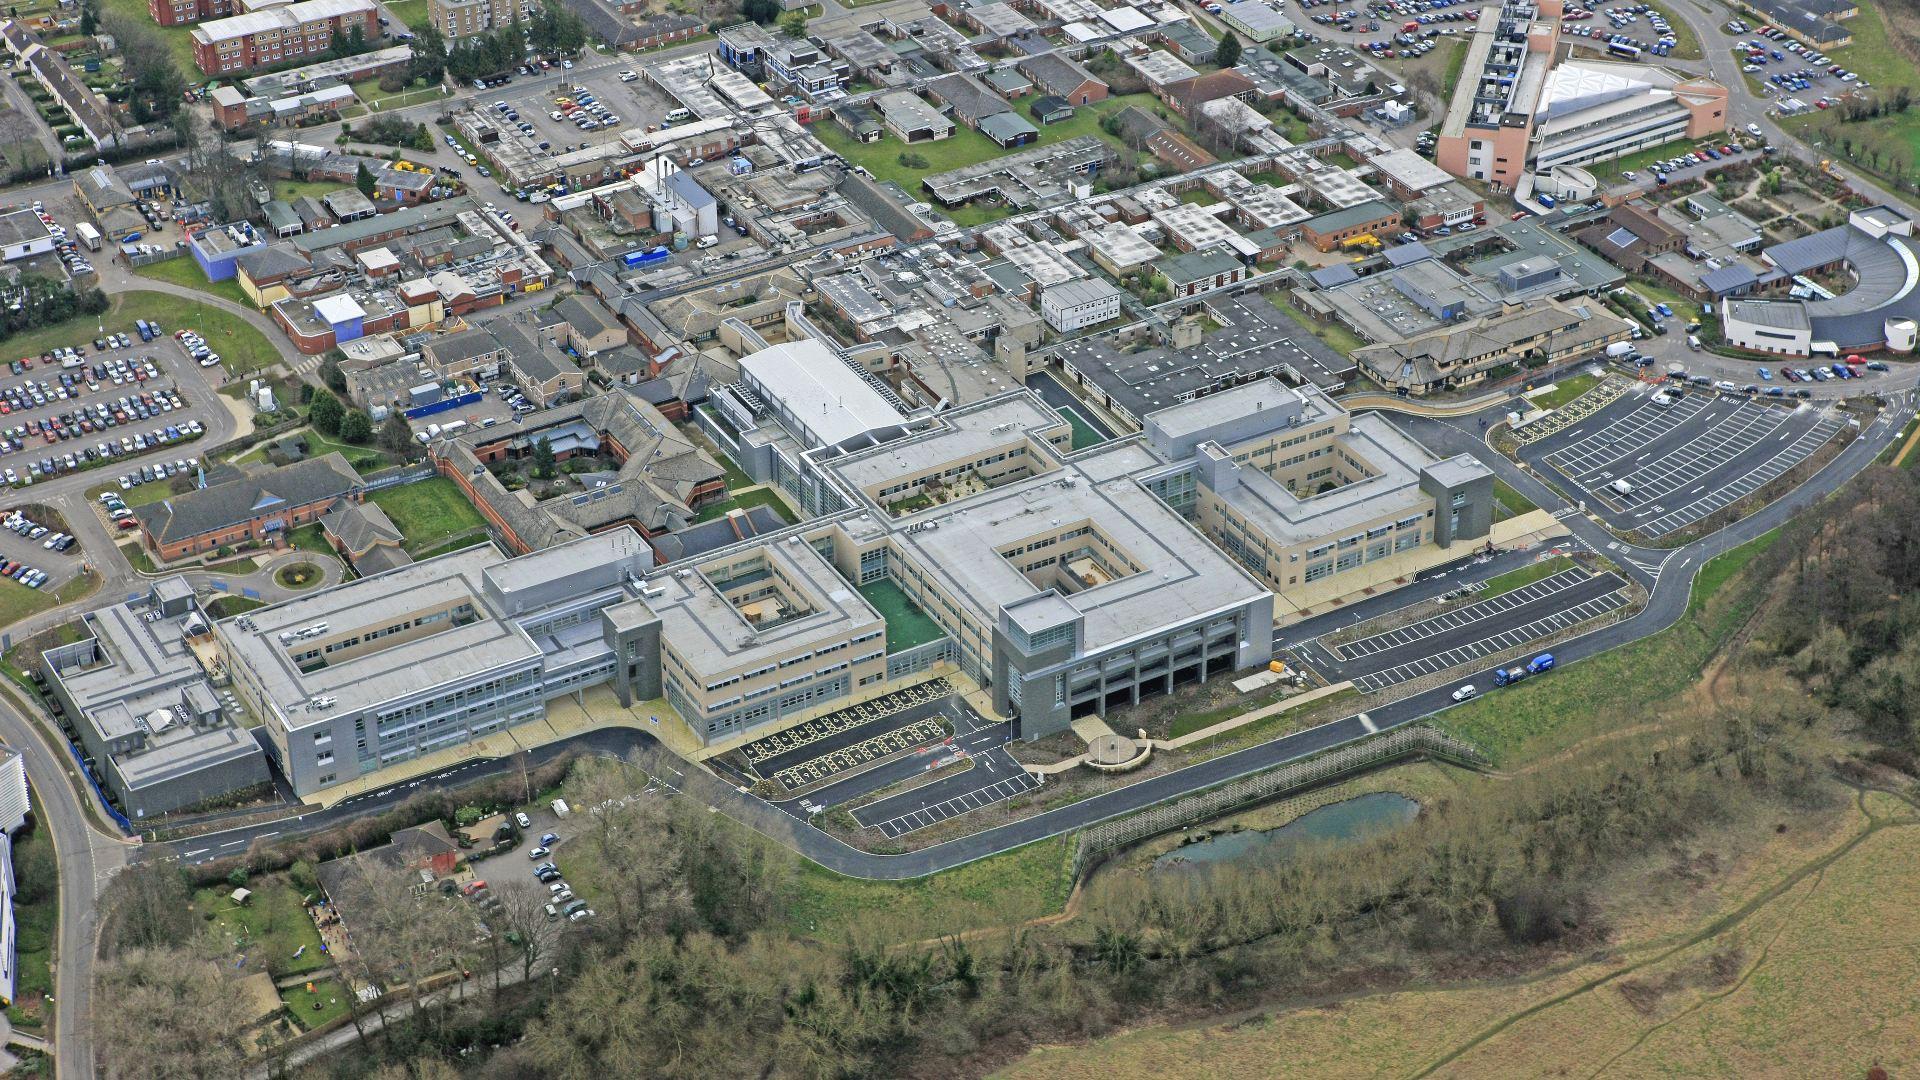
169	1013
522	920
403	933
625	833
146	907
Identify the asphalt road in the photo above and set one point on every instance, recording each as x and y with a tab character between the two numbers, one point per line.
1668	574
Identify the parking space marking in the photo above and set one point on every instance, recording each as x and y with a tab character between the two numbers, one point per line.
1512	638
1753	480
1439	624
1000	791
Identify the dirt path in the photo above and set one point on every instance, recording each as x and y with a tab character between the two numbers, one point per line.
1815	868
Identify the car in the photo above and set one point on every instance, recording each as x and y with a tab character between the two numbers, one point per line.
1466	693
549	839
538	853
556	887
523	821
583	913
1765	375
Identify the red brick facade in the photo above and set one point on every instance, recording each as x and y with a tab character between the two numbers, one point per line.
182	12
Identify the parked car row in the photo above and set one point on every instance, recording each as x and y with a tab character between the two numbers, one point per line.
197	347
26	575
84	458
511	394
97	417
117	511
32	530
564	903
161	470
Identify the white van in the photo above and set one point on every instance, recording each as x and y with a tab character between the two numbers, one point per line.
678	115
1621	487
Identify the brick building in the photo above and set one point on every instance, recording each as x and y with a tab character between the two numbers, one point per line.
260	508
274	35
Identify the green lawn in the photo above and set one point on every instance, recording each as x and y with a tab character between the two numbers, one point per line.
1565	390
1686	46
1511	500
137	555
1876	59
1083	433
226	606
907	625
428	512
1337	337
410	13
1526	575
458	544
185	272
1021	884
34	929
968	146
243	348
744	501
368	90
363	458
1456	62
289	190
311	538
270	929
135	496
328	995
18	602
179	39
1543	714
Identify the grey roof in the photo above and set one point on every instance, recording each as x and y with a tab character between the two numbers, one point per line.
237	501
359	527
1779	314
1057	73
1727	279
535	358
273	261
586	315
21	226
1196	265
682	183
1407	254
1005	127
1338	274
1820	249
970	101
1365	212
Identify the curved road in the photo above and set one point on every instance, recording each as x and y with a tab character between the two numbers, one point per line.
1669	582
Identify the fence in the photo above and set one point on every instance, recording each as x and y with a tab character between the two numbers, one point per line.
136	258
1100	841
399	474
439	407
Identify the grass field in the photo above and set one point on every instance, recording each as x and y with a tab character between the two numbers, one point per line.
18	602
1540	715
1526	575
363	458
410	13
457	544
242	347
136	496
1565	390
179	39
225	606
907	625
968	146
428	512
746	500
1083	433
1338	337
1021	884
289	190
1792	959
186	273
1875	57
269	930
1511	500
328	994
34	929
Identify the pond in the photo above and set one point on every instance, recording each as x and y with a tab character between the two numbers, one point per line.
1351	819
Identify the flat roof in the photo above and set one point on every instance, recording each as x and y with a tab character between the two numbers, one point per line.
277	18
391	673
1182	576
22	227
816	385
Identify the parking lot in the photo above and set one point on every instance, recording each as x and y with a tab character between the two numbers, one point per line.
844	728
102	405
995	777
634	104
1653	468
1483	628
24	540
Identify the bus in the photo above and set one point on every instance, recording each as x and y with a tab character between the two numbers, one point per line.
1622	49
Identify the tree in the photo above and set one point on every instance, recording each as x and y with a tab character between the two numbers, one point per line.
761	11
396	437
175	1014
88	23
147	907
356	427
401	936
543	462
363	179
1227	53
522	921
326	413
331	374
794	24
627	835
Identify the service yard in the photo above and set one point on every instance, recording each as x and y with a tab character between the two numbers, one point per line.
632	104
1653	468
